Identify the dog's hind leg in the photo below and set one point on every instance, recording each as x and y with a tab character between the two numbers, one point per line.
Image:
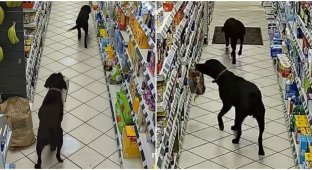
227	40
39	148
79	32
241	45
86	35
238	125
233	45
59	145
261	124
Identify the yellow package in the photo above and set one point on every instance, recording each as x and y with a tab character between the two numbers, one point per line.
130	145
303	131
301	118
136	104
308	131
131	49
103	33
142	40
301	124
109	50
308	156
310	149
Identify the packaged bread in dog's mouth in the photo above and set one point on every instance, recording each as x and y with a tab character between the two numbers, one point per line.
65	91
196	82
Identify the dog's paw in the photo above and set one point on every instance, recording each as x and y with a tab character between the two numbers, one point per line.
59	159
85	46
233	62
79	37
227	46
233	128
221	127
240	53
235	141
261	153
37	166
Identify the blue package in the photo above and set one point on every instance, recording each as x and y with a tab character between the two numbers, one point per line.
276	49
303	148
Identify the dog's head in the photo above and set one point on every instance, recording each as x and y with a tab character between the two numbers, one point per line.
211	68
86	8
56	80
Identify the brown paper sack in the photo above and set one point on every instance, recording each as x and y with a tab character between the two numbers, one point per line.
18	115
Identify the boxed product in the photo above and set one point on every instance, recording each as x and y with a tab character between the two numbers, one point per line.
130	144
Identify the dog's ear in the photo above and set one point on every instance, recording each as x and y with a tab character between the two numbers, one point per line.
49	81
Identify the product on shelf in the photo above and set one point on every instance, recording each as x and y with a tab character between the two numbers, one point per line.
130	145
2	15
197	82
12	34
1	54
13	3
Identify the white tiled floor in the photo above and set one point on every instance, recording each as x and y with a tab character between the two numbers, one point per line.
205	146
89	139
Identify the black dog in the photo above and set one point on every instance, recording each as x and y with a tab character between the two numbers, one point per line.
235	30
82	22
238	92
50	116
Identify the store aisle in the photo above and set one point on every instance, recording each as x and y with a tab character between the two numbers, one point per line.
205	146
89	137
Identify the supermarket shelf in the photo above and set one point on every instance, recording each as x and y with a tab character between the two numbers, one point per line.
33	9
302	26
144	27
168	18
134	163
148	114
145	146
143	55
291	135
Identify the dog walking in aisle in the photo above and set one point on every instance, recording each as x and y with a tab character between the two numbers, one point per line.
82	22
238	92
234	29
50	117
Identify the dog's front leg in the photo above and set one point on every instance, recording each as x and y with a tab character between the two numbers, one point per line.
233	45
86	35
241	46
225	109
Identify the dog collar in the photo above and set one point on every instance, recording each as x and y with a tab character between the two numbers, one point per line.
55	89
219	75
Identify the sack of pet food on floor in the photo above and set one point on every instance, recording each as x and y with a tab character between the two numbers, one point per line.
196	81
18	115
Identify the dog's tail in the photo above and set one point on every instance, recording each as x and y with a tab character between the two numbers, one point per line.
75	27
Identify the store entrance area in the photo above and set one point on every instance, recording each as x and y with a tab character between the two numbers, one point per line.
89	137
204	145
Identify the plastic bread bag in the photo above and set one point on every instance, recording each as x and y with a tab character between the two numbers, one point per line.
65	91
196	82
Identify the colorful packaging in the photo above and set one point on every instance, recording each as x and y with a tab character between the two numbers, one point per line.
130	144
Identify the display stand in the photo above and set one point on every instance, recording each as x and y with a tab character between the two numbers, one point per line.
174	94
119	40
5	137
12	67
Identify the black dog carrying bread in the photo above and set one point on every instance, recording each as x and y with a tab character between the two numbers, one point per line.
234	29
50	117
82	22
238	92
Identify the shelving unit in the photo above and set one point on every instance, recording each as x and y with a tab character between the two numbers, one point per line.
35	32
174	96
12	67
119	39
291	27
5	137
